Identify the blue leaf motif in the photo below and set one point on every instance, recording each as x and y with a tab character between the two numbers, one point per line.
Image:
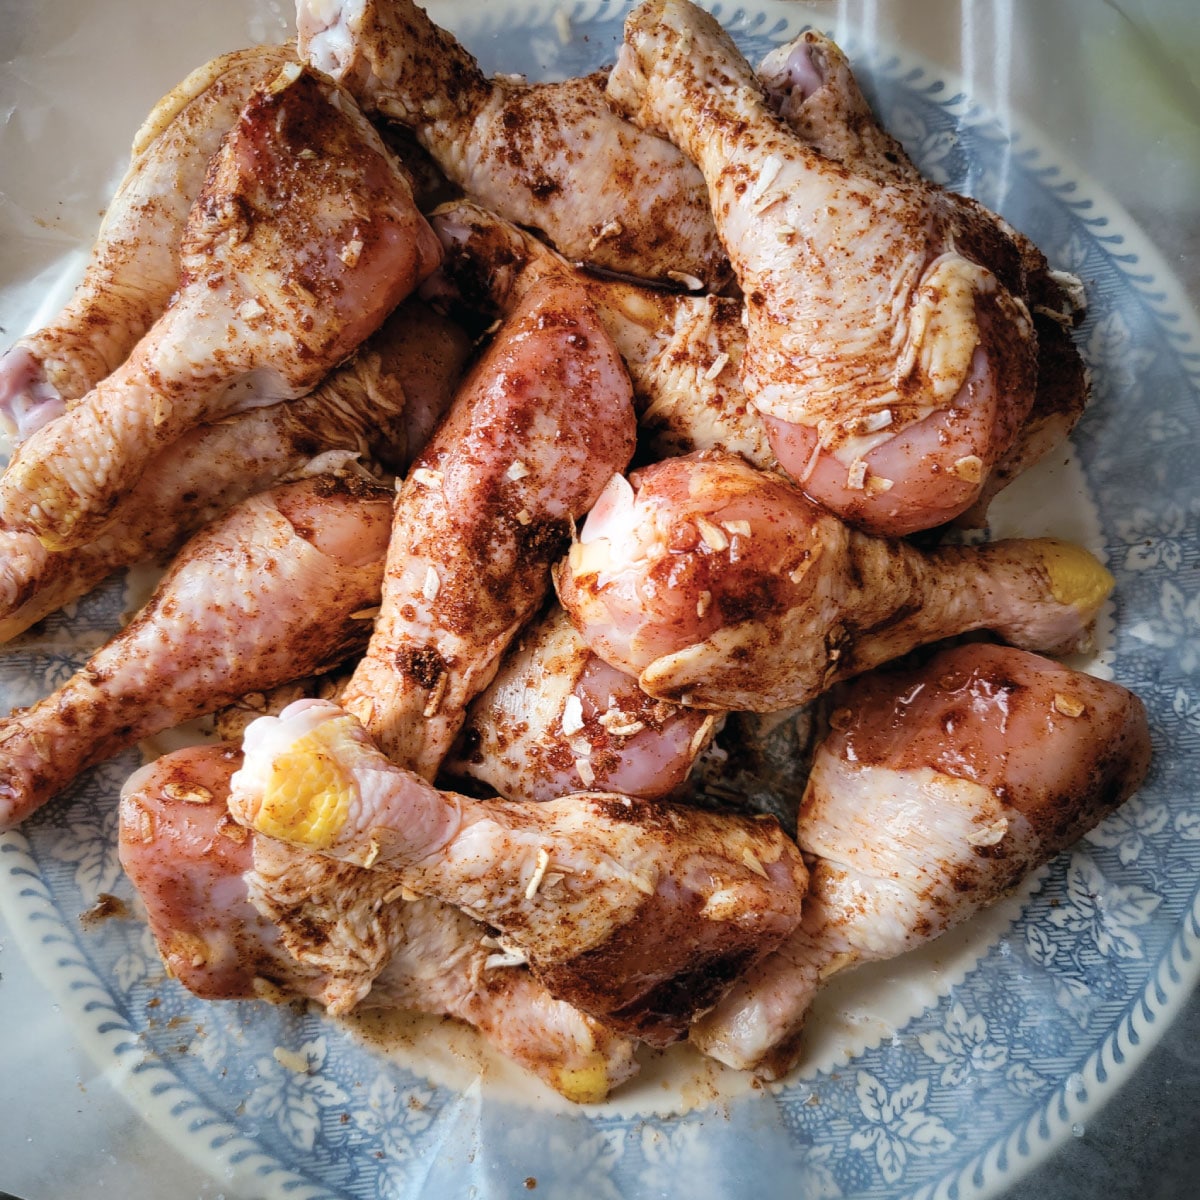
90	843
128	969
1076	999
1025	1081
890	1155
1105	911
1187	826
1039	947
963	1047
898	1125
293	1096
872	1096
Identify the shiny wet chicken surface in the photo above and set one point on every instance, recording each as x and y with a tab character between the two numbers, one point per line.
638	913
551	156
885	345
237	916
277	586
134	265
303	239
724	587
932	796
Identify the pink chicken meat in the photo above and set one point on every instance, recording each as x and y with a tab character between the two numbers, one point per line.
235	919
638	913
379	406
303	239
885	345
551	156
134	265
724	587
486	509
932	796
276	588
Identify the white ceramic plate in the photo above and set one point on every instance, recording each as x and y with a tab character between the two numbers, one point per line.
944	1073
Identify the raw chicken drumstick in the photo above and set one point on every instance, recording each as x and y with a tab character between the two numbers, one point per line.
134	265
682	351
303	239
556	719
380	405
809	83
936	790
237	916
637	912
724	587
552	156
885	344
531	439
274	589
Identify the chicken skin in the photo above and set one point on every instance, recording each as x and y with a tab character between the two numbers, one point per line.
682	351
483	514
723	587
237	916
303	239
887	344
134	265
381	406
810	85
276	588
557	719
931	797
638	913
550	156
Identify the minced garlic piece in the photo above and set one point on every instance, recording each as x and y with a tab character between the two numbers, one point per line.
1069	706
432	584
516	470
713	536
539	873
969	468
292	1060
754	862
427	478
717	366
856	476
586	774
989	835
188	793
572	717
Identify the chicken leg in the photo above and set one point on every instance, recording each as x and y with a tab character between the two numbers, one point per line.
303	239
235	915
274	589
381	405
641	914
724	587
885	345
936	791
556	719
134	265
484	513
809	83
551	156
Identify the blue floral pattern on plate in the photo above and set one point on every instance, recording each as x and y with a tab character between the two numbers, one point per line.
984	1082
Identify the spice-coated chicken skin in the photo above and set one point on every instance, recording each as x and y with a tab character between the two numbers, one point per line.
931	797
303	239
237	916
